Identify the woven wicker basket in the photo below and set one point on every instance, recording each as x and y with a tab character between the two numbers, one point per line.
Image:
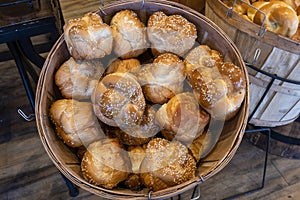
271	53
226	144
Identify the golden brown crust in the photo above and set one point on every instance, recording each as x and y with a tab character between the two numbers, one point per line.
129	33
106	163
139	134
182	118
78	79
166	164
252	11
123	66
240	7
219	86
136	154
118	100
162	79
88	37
280	18
173	34
75	122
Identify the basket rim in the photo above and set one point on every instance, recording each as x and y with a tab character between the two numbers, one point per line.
163	193
269	37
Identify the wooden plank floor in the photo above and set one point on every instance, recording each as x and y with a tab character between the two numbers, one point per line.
26	171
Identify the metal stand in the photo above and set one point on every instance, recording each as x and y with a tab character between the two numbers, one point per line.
261	130
267	130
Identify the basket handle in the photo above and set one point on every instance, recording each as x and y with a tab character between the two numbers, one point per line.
262	29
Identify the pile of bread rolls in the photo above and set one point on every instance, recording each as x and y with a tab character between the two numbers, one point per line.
137	99
281	16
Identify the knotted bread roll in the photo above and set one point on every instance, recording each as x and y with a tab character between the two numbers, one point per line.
137	134
163	78
75	122
129	33
166	164
173	34
136	154
78	79
123	66
88	37
118	100
106	163
182	118
220	87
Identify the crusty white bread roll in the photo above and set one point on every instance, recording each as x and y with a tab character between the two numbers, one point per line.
173	34
75	122
162	79
118	100
106	163
129	33
78	79
281	18
220	87
88	37
123	66
166	164
182	118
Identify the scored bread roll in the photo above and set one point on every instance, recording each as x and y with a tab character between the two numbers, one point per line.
106	163
280	18
174	34
118	100
166	164
78	79
88	37
75	122
129	33
220	87
182	118
162	79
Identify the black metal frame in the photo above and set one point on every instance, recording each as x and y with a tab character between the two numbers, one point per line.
17	2
268	130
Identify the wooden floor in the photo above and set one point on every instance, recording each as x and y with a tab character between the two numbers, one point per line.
26	171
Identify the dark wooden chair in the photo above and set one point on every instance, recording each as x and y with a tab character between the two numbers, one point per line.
20	20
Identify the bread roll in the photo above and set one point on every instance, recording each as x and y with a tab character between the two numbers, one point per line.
280	18
251	11
106	163
123	66
88	37
136	154
75	122
129	33
140	133
118	100
240	7
220	87
173	34
166	164
78	79
162	79
182	118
